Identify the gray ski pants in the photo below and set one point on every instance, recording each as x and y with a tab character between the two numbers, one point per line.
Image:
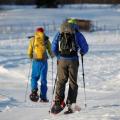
67	70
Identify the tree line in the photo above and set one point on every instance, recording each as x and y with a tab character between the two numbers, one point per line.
55	3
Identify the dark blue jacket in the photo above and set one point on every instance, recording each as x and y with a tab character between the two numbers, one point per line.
81	43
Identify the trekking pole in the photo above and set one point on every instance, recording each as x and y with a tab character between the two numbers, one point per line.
83	79
53	86
28	81
55	80
53	92
52	77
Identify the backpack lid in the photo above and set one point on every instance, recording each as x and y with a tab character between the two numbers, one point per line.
66	28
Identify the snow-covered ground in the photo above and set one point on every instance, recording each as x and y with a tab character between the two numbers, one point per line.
102	64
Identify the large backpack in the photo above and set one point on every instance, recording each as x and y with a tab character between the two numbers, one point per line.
39	47
67	42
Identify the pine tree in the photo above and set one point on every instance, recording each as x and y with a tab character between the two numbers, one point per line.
46	3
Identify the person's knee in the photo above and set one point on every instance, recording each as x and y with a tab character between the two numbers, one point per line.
44	82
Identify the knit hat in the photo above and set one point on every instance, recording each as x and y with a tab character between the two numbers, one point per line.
40	29
39	33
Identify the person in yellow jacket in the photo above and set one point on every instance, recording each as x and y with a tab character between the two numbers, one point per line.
38	50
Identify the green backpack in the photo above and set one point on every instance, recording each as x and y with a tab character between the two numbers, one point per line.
67	42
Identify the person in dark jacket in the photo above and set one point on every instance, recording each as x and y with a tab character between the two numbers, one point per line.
67	68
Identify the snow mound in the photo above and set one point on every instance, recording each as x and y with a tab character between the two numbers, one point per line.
3	70
3	98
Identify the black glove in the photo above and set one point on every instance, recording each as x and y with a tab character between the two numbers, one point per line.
81	53
46	37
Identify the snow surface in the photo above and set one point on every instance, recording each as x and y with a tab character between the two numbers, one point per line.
102	64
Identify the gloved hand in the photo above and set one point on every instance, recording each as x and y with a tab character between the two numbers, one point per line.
52	55
81	53
57	62
46	37
31	56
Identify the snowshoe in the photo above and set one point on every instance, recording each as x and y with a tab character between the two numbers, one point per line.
34	96
70	110
57	107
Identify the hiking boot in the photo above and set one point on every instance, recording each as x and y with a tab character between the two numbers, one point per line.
34	95
44	100
57	107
